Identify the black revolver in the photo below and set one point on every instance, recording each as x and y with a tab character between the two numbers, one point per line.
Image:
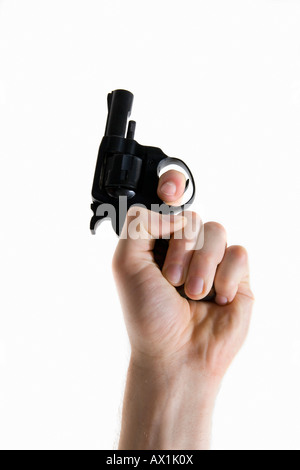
127	173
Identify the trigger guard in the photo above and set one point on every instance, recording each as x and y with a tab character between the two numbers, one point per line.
175	161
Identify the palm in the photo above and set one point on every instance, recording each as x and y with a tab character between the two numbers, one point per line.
165	324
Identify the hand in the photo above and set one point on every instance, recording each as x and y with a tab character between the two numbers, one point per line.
174	339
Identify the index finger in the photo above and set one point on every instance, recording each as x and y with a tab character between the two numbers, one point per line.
171	187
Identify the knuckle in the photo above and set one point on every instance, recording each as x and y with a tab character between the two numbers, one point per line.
239	253
216	228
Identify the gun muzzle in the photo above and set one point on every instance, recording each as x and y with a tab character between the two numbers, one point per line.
119	109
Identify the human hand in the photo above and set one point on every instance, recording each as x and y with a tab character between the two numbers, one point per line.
172	337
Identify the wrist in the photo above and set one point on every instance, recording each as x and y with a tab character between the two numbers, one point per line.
167	405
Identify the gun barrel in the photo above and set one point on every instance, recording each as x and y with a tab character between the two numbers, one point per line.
119	109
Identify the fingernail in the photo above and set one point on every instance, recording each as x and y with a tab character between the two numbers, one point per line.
221	300
174	273
169	188
195	285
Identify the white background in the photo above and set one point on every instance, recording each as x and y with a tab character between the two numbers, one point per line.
217	84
